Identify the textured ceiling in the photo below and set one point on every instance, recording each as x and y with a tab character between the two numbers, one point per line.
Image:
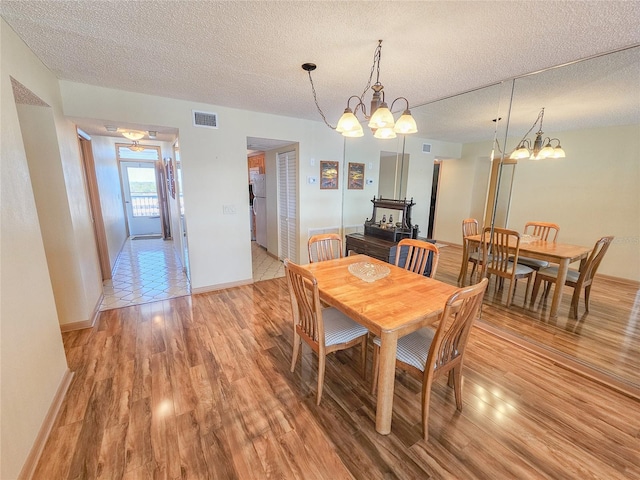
248	54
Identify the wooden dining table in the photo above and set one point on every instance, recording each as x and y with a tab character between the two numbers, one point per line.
562	254
389	307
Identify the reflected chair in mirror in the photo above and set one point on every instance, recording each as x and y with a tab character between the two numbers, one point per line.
422	257
325	330
469	228
428	354
578	279
544	231
500	253
325	246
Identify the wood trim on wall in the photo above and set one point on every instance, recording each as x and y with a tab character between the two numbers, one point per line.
493	184
37	448
95	207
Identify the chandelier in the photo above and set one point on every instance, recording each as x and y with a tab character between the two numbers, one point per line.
136	147
539	148
380	119
134	136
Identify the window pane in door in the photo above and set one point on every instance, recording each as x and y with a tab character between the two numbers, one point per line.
143	189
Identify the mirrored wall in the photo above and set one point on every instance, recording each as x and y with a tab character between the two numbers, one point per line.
593	108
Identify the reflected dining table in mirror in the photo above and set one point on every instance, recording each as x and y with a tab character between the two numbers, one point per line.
389	301
562	254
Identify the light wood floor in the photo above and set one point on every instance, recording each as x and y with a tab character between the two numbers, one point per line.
199	387
606	339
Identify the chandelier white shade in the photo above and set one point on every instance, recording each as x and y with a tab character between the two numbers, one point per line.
540	147
133	135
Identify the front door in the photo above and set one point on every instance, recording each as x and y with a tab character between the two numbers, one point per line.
141	198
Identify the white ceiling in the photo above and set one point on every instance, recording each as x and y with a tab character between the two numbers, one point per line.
248	54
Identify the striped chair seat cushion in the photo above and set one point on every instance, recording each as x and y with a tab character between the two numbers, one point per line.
572	275
338	328
533	262
520	269
414	348
477	257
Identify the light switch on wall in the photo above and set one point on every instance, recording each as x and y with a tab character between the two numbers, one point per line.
228	209
312	162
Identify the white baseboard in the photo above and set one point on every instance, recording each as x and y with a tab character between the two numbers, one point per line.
222	286
30	464
68	327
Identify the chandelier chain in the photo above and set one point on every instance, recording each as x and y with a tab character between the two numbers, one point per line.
541	114
374	67
315	99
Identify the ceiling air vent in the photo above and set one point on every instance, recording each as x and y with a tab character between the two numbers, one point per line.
426	148
205	119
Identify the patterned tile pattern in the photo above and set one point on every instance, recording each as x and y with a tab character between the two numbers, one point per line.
147	270
265	266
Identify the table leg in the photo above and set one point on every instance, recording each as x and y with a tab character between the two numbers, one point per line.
563	267
386	380
465	262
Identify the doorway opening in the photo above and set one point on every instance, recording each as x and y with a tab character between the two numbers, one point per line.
142	207
264	176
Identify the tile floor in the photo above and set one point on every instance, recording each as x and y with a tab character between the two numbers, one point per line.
265	266
148	270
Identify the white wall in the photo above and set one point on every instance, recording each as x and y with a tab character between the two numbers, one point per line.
214	168
591	193
32	359
108	180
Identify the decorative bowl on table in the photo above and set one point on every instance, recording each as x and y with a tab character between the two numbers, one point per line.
528	238
369	272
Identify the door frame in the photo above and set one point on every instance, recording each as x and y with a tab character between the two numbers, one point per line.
95	207
159	185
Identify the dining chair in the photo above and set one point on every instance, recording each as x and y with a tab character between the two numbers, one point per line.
542	230
578	279
469	228
500	253
428	354
418	254
325	246
325	330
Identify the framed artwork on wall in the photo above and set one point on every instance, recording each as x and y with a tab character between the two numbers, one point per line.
171	182
328	175
356	176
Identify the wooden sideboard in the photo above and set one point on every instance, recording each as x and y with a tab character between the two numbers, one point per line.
375	247
379	248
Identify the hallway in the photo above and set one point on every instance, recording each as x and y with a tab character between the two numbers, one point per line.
265	267
147	270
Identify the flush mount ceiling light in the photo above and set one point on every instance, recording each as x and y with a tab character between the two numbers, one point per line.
380	118
539	148
133	135
136	147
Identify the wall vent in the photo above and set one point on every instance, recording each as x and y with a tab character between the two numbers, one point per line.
205	119
426	148
319	231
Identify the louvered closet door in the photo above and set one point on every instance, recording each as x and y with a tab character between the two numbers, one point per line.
287	211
